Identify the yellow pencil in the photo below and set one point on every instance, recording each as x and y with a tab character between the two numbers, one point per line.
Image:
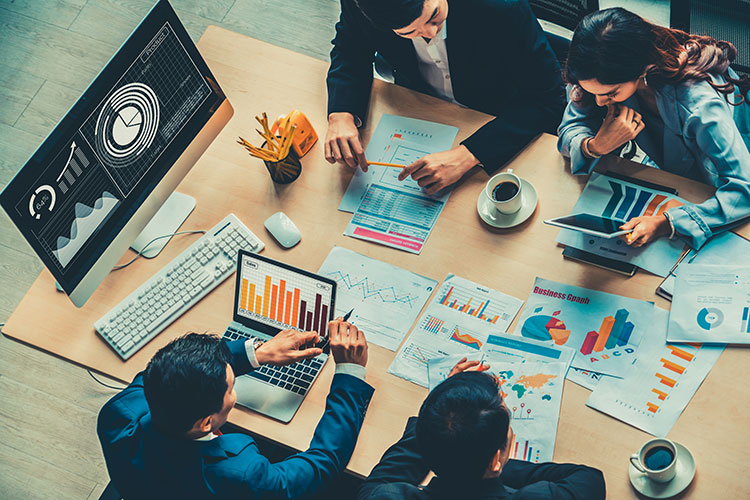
382	164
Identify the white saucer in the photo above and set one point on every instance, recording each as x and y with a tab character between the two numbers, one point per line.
683	477
491	216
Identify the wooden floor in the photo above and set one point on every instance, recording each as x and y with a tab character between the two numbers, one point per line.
51	50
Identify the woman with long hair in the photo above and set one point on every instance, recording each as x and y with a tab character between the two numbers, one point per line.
676	97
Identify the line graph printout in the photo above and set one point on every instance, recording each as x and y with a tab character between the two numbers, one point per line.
442	331
654	392
401	140
532	391
621	200
386	299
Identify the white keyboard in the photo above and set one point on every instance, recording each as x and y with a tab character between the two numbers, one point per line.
155	304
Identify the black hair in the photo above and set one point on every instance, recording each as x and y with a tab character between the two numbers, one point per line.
185	381
461	425
391	14
615	46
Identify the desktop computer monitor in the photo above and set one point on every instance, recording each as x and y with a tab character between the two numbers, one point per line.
117	155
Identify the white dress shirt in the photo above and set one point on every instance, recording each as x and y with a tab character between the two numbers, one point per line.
432	60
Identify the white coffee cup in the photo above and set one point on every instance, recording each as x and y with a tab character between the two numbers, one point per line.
660	475
510	205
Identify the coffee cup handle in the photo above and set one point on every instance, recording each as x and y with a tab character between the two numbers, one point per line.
637	463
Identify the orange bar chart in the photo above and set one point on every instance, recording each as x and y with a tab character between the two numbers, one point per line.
676	351
604	331
280	302
652	407
672	366
669	204
266	294
666	380
243	295
295	307
258	304
274	292
661	394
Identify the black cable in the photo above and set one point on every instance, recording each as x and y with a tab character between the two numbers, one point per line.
116	268
105	385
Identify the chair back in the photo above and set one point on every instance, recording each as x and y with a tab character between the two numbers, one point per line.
721	19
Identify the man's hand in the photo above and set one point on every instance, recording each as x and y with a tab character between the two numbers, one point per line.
622	124
437	171
343	144
348	344
645	229
288	347
468	366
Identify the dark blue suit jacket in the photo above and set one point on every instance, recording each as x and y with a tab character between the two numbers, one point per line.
500	63
144	463
402	469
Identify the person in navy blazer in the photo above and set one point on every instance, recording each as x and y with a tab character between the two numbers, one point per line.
463	435
498	62
160	435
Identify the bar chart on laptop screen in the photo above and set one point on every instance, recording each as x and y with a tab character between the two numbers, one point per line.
282	298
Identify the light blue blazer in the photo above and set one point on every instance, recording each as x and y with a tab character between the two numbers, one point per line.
704	138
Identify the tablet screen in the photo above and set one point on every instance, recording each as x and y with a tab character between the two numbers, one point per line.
591	222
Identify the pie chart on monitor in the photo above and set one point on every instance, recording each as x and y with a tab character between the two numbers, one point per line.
127	125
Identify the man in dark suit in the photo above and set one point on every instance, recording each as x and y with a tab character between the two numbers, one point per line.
463	435
161	438
489	55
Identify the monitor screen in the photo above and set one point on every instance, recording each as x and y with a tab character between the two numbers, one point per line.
278	297
112	148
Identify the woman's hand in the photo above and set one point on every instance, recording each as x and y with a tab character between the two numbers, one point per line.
622	124
645	229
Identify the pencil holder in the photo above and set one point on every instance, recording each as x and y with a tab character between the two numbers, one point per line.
285	170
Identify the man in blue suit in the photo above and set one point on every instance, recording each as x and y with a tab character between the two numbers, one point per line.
489	55
161	438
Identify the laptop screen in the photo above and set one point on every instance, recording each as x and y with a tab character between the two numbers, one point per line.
275	296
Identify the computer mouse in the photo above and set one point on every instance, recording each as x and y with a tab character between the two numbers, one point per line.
283	229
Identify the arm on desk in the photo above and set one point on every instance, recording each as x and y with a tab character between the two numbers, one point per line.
581	119
401	463
537	100
350	74
304	473
710	126
558	481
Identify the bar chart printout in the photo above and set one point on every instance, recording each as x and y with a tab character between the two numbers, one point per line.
621	200
399	140
283	298
443	331
657	388
604	329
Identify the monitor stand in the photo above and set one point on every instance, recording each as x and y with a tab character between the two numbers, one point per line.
166	221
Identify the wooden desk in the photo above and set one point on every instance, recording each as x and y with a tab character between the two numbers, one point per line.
260	77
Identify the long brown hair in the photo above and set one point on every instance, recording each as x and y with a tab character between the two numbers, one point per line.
615	46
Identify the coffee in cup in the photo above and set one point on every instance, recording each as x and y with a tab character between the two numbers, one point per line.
504	191
657	459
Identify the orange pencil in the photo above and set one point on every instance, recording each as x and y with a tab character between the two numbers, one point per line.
394	165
